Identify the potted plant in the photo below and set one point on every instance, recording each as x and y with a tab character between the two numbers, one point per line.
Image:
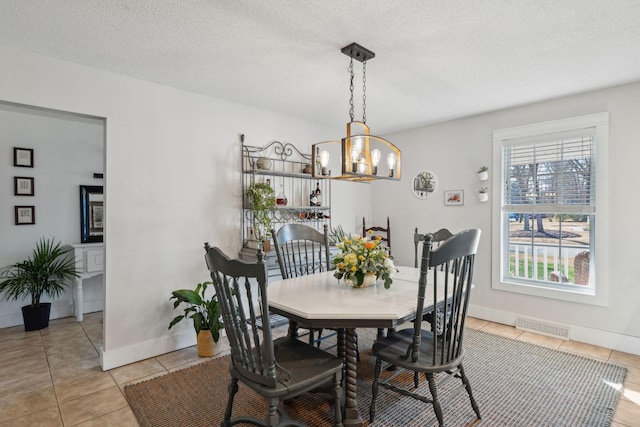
263	203
483	173
205	313
47	272
483	196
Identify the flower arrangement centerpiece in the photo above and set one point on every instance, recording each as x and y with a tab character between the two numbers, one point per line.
362	260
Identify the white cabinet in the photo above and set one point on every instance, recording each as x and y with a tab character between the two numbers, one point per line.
89	263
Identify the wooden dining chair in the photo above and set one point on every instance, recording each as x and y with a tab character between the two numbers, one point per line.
420	349
438	237
277	370
376	230
302	250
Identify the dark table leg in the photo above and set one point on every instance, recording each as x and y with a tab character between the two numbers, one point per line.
351	414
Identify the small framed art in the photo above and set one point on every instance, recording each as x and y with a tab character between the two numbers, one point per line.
23	186
91	213
25	215
23	157
454	198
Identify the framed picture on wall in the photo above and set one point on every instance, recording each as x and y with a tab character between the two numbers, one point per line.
91	213
25	215
23	157
23	186
454	198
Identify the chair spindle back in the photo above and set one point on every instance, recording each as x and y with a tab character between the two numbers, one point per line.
301	250
451	284
252	350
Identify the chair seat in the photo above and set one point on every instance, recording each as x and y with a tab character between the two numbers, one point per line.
393	349
300	366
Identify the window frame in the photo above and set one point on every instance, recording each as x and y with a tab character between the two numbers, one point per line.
598	294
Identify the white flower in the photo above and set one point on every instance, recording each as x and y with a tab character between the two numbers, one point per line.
390	266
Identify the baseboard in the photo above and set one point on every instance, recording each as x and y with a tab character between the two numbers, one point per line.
59	309
110	359
93	306
625	343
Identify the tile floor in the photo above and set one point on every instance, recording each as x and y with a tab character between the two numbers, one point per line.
52	377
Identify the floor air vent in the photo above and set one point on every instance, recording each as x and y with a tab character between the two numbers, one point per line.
543	328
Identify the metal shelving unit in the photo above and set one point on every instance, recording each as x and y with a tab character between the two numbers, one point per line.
289	171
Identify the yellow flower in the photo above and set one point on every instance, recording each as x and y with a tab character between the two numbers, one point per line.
350	259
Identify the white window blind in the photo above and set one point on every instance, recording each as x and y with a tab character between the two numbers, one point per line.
553	173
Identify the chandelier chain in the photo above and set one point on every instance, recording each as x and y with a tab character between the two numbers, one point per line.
364	92
351	89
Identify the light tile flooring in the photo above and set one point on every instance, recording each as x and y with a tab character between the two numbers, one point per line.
52	377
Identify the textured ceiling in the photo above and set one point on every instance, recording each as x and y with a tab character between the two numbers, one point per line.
435	60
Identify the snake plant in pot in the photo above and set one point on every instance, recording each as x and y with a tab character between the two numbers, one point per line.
47	272
205	313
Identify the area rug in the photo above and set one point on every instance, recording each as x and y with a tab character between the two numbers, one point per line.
515	384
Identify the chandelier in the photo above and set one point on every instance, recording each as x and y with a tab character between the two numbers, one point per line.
362	156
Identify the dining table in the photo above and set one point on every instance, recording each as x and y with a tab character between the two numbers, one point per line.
322	301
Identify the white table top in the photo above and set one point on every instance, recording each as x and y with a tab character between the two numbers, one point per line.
320	300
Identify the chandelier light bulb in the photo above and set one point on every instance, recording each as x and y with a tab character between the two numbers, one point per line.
324	161
391	162
375	160
355	154
362	166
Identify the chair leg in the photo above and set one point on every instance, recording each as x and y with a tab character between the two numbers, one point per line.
233	389
337	394
293	329
374	389
467	385
273	418
436	403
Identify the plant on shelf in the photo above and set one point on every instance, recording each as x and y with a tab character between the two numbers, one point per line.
263	203
47	272
483	196
483	173
362	260
205	313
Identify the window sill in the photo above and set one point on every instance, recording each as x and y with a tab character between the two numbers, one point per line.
580	296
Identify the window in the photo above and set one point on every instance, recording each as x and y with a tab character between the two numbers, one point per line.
546	218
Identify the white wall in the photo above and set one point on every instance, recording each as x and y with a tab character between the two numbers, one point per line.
172	182
67	152
455	150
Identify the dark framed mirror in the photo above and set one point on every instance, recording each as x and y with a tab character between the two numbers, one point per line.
91	213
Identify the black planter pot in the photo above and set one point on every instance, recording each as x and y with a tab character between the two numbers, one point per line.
36	318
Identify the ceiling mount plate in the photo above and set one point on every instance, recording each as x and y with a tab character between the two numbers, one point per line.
357	52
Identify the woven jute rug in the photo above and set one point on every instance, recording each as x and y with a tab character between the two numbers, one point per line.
515	384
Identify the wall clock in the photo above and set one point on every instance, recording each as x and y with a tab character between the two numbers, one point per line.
424	184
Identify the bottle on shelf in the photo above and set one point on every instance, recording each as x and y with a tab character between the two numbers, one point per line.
281	198
318	194
318	199
313	201
313	198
